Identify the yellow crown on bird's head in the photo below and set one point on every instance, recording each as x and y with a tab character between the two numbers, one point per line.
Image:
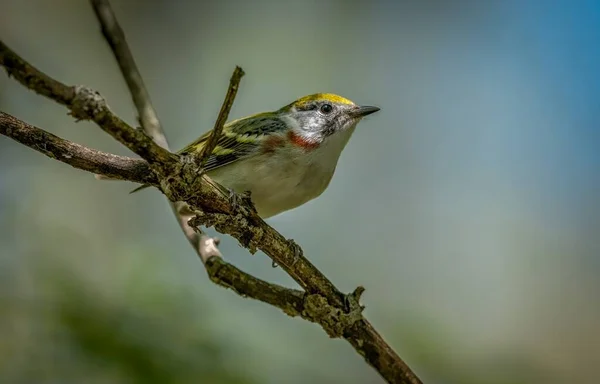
319	97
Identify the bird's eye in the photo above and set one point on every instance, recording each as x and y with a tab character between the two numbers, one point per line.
326	108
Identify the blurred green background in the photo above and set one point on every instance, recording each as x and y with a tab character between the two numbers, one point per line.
468	207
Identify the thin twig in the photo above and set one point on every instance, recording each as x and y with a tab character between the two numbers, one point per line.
113	33
78	156
215	134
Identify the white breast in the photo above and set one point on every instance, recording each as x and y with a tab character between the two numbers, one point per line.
287	178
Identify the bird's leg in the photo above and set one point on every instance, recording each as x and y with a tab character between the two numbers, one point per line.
297	251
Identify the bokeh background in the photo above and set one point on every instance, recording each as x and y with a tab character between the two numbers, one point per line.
469	207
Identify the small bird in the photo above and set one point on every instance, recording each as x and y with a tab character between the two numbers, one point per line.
283	158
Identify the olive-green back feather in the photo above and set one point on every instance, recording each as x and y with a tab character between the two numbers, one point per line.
240	139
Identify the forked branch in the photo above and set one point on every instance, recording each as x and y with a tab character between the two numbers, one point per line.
78	156
84	104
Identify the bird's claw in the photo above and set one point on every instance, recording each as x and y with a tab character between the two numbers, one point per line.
297	253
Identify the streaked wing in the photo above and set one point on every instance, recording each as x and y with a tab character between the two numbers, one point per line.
240	139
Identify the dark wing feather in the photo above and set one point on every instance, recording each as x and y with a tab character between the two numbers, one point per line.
240	139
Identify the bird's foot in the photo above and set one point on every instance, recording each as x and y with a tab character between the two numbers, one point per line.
297	253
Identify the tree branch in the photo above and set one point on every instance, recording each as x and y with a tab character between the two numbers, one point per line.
339	315
204	246
112	32
84	104
211	143
78	156
291	301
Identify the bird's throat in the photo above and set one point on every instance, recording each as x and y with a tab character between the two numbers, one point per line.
302	142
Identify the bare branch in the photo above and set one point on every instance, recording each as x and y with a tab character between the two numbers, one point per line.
78	156
291	301
215	134
84	104
116	39
253	233
204	246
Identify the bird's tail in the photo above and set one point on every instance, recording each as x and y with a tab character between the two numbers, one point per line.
144	186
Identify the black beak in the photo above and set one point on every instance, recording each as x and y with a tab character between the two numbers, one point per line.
363	111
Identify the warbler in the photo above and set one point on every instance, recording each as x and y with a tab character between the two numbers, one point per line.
283	158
